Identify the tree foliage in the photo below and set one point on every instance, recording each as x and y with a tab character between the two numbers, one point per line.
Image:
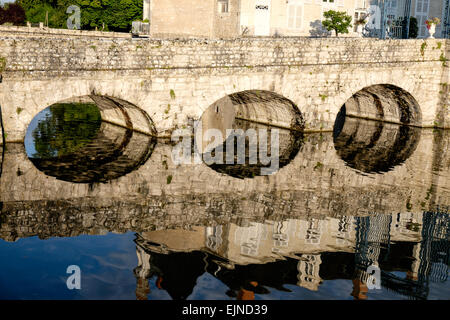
338	21
12	13
113	15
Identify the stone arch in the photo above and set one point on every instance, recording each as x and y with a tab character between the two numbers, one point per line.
22	101
257	106
123	141
383	102
251	110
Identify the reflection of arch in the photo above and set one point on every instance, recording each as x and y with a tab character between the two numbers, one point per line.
372	146
384	102
251	110
123	141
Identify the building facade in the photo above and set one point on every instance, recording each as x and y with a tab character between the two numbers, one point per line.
292	17
192	18
422	10
264	18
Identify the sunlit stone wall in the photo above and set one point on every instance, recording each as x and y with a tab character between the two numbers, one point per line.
174	81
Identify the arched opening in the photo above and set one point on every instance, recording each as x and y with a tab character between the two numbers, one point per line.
373	146
377	146
245	133
90	139
384	102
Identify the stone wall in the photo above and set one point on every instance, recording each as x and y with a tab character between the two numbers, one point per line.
443	114
176	81
51	32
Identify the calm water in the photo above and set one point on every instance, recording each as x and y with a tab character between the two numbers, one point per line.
109	200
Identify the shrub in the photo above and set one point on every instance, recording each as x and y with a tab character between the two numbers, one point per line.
337	21
12	13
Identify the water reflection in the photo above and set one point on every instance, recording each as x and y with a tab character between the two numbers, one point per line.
310	231
2	158
256	258
249	259
62	129
238	134
70	141
290	142
372	146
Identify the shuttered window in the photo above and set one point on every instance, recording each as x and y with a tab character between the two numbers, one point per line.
295	16
222	6
422	7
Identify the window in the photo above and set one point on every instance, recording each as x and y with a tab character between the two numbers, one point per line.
295	16
314	232
222	6
361	4
422	7
339	3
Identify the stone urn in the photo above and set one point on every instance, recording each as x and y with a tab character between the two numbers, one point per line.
432	31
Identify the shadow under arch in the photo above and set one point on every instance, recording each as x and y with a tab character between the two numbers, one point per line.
384	102
90	139
373	146
242	121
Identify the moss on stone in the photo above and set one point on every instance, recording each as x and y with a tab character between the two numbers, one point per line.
422	48
443	59
2	64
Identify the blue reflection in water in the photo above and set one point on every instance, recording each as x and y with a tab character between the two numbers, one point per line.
36	269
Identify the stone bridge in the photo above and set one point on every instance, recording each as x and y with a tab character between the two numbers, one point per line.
175	81
148	88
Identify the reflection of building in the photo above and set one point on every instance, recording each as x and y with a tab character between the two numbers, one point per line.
308	271
248	257
142	273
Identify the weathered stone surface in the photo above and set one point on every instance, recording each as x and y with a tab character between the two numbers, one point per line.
317	183
175	81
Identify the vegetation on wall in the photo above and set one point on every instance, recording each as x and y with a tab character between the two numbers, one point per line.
2	64
108	15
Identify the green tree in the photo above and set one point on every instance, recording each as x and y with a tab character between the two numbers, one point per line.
337	21
12	13
114	15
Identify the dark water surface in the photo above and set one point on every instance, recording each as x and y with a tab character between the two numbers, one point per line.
109	200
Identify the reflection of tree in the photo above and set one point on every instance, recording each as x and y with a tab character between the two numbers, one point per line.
67	127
